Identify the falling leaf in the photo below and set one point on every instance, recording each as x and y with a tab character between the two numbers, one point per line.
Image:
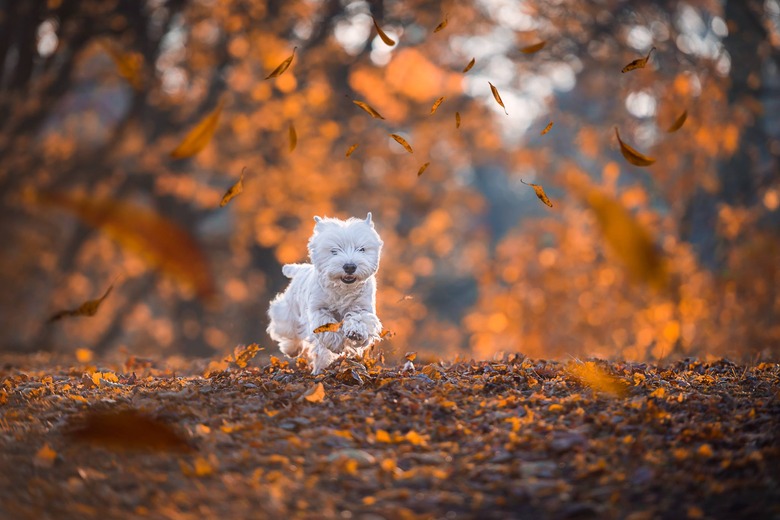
595	377
352	149
400	140
539	192
83	355
457	119
436	104
533	48
385	38
242	355
315	393
638	63
679	122
160	242
128	64
442	25
386	334
633	156
293	137
410	356
45	457
547	128
422	168
630	240
234	190
369	109
88	308
471	64
283	66
126	429
197	138
497	97
329	327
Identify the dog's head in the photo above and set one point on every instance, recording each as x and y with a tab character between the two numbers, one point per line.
345	252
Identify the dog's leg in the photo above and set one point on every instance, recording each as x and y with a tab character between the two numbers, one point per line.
362	327
320	357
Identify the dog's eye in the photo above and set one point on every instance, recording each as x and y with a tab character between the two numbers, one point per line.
362	249
334	251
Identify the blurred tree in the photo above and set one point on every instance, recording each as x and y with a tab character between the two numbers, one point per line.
95	95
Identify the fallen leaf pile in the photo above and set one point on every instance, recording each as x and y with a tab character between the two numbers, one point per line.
509	438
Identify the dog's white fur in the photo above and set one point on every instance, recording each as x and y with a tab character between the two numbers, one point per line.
325	292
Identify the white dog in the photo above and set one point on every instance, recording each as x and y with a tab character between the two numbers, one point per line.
338	286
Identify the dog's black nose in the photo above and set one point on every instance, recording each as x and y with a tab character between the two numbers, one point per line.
349	268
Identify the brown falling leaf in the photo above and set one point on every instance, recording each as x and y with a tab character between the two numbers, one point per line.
678	123
243	355
329	327
234	190
351	149
197	138
547	128
293	137
386	334
497	97
442	25
457	119
163	244
127	429
422	168
536	47
638	63
598	379
539	192
633	156
400	140
283	66
410	356
385	38
368	108
88	308
630	240
436	104
315	393
470	65
128	64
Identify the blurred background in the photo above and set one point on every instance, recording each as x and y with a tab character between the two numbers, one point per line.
679	258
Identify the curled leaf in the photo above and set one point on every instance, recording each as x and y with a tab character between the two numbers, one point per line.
442	25
283	66
293	137
234	190
160	242
329	327
385	38
369	109
410	356
533	48
351	149
422	168
197	138
638	63
88	308
679	122
400	140
497	97
386	334
128	64
633	156
315	393
471	64
540	194
436	104
457	119
547	128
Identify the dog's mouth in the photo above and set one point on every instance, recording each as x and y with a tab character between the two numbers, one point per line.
349	278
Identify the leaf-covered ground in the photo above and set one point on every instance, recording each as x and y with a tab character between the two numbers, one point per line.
516	438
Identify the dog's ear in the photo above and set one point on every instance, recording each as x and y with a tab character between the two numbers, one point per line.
317	220
368	220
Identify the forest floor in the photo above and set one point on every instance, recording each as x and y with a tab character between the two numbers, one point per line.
515	438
